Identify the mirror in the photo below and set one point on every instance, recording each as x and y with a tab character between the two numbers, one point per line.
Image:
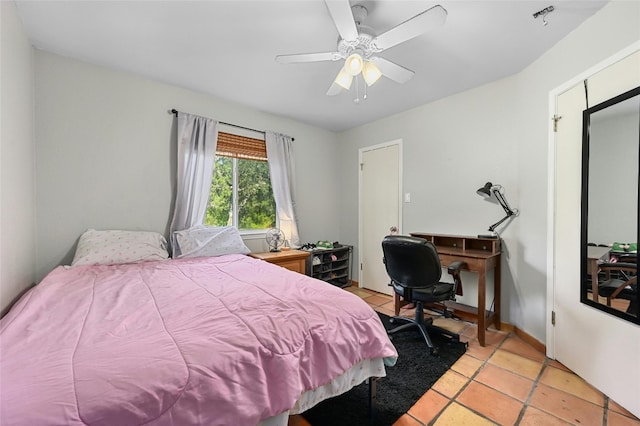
610	157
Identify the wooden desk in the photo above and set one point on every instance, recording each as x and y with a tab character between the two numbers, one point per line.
293	260
481	255
594	256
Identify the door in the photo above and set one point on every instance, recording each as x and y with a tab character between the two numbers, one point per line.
588	341
380	210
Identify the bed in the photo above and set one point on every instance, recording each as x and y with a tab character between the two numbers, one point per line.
216	340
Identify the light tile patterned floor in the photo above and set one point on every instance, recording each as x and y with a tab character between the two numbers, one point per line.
507	382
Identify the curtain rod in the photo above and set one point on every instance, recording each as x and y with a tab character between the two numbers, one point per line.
175	112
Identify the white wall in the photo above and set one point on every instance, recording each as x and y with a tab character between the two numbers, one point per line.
497	133
444	163
17	154
106	155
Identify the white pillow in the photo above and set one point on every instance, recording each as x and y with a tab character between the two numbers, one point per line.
201	241
116	247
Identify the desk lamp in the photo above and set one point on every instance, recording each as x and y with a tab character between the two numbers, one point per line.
498	192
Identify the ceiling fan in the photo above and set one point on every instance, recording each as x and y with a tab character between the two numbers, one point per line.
358	45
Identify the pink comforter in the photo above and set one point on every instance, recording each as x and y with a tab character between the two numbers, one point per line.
228	340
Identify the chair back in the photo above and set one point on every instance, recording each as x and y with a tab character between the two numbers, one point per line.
411	262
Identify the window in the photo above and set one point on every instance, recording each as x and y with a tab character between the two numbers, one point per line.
241	193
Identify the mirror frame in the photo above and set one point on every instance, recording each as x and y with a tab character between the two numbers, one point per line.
584	285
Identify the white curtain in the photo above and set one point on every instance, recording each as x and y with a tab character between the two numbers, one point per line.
197	140
280	155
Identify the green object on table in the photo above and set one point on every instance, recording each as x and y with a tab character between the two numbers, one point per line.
624	247
324	244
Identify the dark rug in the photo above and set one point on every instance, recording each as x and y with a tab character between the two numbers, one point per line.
414	373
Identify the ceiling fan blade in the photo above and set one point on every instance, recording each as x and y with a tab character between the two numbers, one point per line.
343	19
411	28
334	89
308	57
391	70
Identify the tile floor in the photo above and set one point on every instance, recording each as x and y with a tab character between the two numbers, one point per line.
507	382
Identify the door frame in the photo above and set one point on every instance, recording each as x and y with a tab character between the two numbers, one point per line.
361	151
551	184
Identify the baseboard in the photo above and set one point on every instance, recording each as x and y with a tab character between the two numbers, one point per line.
526	337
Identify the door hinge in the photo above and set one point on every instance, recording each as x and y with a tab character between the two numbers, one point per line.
553	317
555	119
361	266
361	166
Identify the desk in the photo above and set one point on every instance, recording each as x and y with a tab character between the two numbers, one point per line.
481	255
596	255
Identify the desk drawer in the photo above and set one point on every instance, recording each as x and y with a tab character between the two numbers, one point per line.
473	264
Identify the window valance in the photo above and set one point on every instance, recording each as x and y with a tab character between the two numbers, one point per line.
236	146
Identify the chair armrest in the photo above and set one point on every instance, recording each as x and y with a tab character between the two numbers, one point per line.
456	267
454	270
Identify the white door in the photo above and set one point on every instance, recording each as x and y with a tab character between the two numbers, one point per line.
380	205
588	341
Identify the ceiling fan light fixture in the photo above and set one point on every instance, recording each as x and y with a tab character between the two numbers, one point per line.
371	73
358	46
353	64
344	79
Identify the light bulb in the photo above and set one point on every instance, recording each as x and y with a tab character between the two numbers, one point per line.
353	64
371	73
344	79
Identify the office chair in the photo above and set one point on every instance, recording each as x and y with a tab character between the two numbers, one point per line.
621	283
414	268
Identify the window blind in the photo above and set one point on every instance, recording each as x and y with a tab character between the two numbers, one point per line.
236	146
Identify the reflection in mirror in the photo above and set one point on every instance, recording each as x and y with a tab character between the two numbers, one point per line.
610	157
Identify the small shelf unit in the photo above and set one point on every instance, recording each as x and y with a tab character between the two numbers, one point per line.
331	265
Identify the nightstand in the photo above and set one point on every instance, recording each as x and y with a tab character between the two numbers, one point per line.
293	260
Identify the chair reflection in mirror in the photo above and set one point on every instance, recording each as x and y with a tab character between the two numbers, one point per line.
620	288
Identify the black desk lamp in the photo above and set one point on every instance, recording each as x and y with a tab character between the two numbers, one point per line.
498	191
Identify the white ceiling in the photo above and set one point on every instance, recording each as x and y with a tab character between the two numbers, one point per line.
227	48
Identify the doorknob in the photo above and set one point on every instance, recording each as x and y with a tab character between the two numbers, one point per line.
393	230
